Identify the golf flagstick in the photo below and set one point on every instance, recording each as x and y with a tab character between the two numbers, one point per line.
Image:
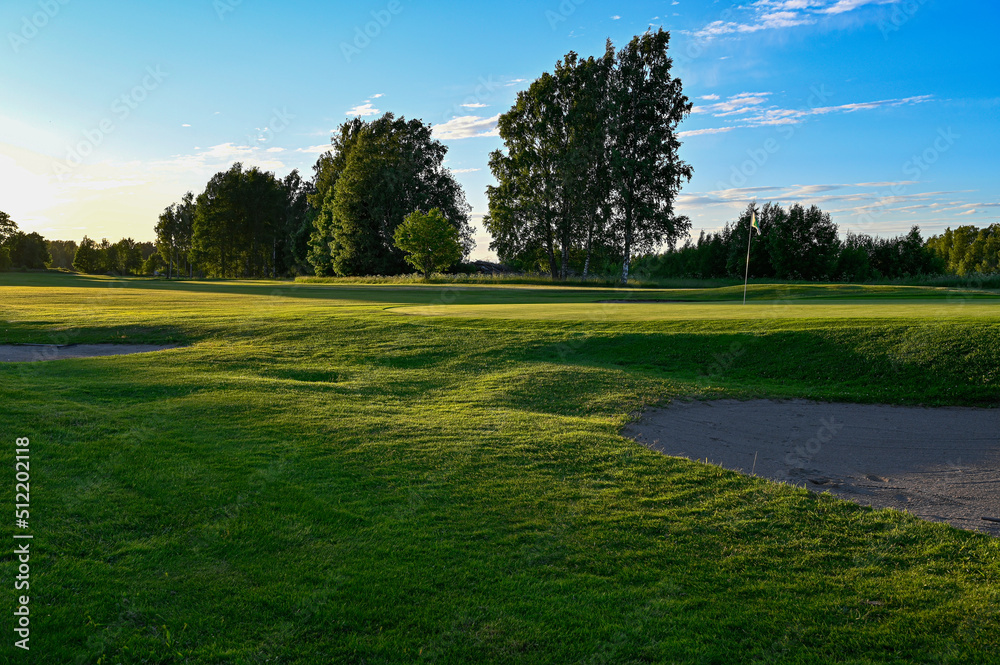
746	274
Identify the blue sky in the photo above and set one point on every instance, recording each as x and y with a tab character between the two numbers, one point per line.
883	112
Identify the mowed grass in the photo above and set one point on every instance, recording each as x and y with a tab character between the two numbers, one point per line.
318	478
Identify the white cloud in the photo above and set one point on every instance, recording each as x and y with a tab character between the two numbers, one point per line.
735	105
464	170
615	17
749	107
376	96
709	98
712	130
315	149
467	126
781	14
363	110
475	105
185	125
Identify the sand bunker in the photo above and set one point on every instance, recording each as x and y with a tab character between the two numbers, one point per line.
24	353
939	464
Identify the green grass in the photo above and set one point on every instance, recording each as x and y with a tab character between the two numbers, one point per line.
325	474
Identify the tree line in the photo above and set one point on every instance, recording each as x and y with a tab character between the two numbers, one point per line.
248	223
797	243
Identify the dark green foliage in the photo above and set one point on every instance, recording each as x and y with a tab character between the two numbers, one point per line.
802	244
28	251
795	244
8	227
62	253
87	258
240	221
174	236
591	168
377	173
5	263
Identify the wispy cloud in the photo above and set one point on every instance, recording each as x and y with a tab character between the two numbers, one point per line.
898	207
749	110
782	14
467	126
710	130
315	149
365	109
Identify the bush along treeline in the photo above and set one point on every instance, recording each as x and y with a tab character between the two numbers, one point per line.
590	170
795	244
249	223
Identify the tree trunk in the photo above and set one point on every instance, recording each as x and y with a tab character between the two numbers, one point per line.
628	247
590	238
549	247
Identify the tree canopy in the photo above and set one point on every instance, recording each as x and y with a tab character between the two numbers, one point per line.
376	174
591	162
429	240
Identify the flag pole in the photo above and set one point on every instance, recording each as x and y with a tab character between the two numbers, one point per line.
746	274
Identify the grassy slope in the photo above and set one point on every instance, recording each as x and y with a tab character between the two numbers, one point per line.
323	480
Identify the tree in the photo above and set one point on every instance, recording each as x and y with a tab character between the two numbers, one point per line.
87	258
62	252
378	173
8	227
591	160
644	165
174	231
28	251
804	245
552	181
237	223
430	241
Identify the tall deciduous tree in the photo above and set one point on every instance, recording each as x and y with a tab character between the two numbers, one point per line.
174	231
238	221
8	227
645	168
552	183
377	173
87	258
592	159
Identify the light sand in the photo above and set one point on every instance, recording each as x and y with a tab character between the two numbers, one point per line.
939	464
23	353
